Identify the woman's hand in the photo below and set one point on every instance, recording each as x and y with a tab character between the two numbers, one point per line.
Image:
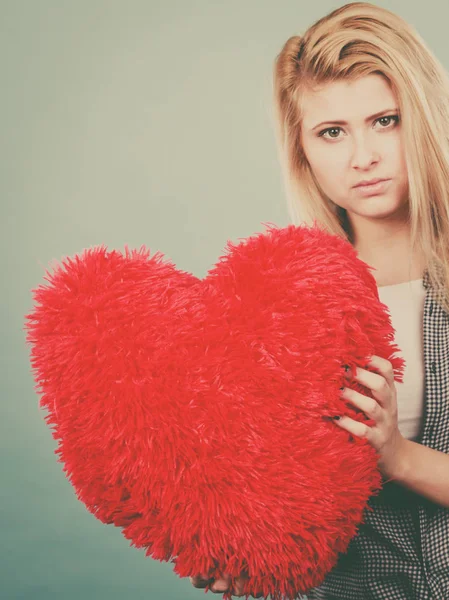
219	586
384	436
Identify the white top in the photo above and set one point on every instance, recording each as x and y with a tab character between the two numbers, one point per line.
405	302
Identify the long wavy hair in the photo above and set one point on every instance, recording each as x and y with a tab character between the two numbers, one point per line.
353	41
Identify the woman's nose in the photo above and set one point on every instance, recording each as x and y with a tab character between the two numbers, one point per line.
364	153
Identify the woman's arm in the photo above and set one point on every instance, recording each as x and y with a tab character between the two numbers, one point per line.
424	471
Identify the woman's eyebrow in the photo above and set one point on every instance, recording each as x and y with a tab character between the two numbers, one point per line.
366	120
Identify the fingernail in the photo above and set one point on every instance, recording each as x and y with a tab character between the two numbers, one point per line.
337	418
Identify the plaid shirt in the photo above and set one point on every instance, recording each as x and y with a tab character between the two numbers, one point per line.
401	551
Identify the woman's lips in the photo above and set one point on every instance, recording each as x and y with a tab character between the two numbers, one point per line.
374	188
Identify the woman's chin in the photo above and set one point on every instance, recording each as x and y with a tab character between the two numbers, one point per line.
377	207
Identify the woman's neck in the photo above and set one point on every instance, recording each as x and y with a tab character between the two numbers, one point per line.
392	261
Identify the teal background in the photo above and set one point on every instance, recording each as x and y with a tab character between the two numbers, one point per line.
132	123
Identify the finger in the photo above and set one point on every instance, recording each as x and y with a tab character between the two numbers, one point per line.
199	581
378	385
382	366
369	406
240	592
357	428
239	585
221	585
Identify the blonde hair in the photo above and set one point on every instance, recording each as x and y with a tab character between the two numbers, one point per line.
353	41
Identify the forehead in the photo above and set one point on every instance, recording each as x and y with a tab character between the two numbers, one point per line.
348	100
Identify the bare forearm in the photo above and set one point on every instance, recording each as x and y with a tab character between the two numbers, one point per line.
424	471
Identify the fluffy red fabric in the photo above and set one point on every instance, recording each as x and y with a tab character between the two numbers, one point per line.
194	413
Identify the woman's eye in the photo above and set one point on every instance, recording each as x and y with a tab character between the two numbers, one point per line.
329	130
389	118
382	120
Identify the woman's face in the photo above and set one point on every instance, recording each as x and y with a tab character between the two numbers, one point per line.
365	147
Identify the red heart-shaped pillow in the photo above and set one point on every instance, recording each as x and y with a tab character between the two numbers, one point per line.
194	413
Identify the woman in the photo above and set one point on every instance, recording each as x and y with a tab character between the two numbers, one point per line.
358	98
